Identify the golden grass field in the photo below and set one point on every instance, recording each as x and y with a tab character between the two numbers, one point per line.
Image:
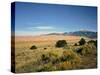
27	60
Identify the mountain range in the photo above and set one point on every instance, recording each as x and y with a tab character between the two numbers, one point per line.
89	34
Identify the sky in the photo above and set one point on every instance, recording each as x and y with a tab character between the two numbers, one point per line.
37	18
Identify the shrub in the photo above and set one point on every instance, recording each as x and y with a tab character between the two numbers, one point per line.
88	48
52	60
45	48
54	57
33	47
69	60
93	41
85	49
75	44
61	43
45	67
82	41
79	50
67	56
45	58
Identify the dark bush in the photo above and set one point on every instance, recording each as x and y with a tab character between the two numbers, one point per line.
33	47
75	44
61	43
93	41
45	48
82	41
79	50
85	49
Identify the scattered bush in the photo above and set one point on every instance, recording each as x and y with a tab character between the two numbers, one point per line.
88	48
67	56
45	67
45	58
85	49
50	57
61	43
69	60
33	47
79	50
93	41
82	41
75	44
54	57
45	48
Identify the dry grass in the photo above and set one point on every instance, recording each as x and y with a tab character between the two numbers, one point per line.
28	60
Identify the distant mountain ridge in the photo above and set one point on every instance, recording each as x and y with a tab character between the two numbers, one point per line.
89	34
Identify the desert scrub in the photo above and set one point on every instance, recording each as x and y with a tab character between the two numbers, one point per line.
28	67
45	67
52	61
93	42
88	49
65	65
33	47
85	49
54	57
45	48
75	44
61	43
69	60
51	56
45	58
78	50
71	56
67	56
82	41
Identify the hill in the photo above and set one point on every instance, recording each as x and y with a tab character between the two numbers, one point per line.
89	34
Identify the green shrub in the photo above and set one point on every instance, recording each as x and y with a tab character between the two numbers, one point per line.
61	43
82	41
33	47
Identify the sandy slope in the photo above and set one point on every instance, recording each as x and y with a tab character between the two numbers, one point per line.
47	38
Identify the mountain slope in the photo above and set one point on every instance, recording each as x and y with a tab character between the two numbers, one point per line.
89	34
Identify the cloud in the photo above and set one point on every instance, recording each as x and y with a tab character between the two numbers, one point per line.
21	32
44	27
36	30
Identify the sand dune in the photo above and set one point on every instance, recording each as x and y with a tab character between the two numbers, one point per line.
47	38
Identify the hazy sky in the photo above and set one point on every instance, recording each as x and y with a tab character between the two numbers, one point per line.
35	19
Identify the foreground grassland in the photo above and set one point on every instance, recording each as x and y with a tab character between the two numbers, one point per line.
47	57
